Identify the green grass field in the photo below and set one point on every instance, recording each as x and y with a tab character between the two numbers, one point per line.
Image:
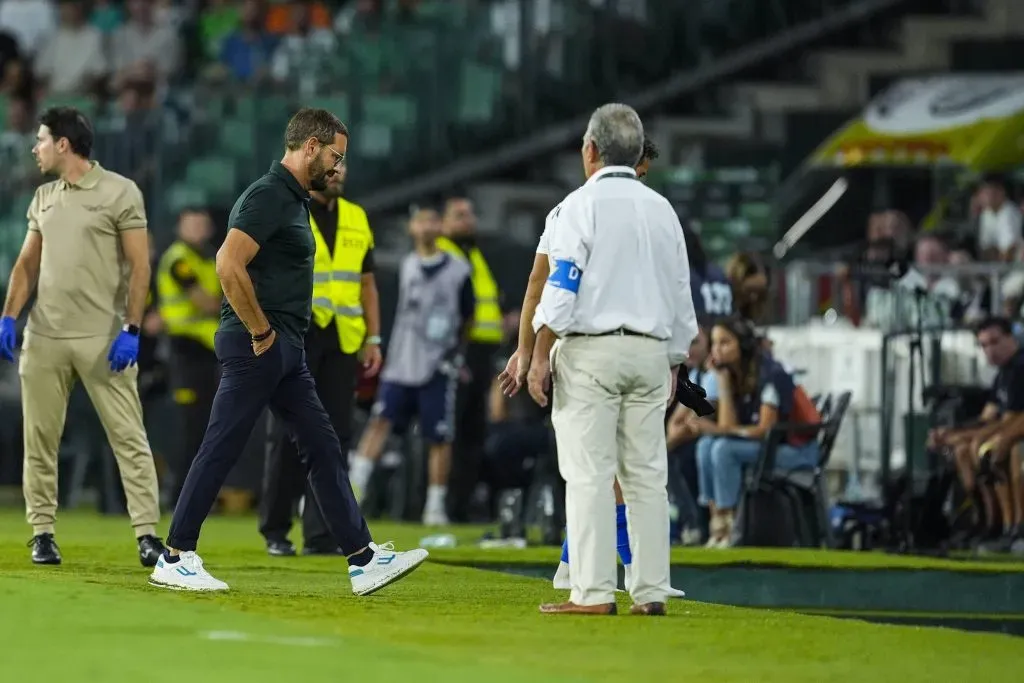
96	620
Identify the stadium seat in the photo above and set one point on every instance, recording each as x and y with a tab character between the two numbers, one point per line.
336	104
396	111
238	139
182	195
481	90
86	105
374	141
215	174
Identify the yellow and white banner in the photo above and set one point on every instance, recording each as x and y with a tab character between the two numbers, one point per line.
970	120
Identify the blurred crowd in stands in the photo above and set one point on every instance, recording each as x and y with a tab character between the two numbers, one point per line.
937	262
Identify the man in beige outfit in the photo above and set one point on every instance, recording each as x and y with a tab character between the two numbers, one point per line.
87	248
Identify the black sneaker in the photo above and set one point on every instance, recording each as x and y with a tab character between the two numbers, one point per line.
150	549
44	549
280	548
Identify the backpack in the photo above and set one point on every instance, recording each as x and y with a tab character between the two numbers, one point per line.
804	412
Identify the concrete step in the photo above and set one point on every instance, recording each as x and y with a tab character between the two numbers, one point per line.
777	97
844	75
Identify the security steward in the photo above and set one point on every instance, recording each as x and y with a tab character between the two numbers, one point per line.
459	227
345	325
189	297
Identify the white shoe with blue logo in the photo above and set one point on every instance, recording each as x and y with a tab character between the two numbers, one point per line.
387	566
187	574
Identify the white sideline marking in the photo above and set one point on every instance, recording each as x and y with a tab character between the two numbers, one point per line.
240	637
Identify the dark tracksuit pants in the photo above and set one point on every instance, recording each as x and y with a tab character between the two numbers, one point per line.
194	374
249	384
334	373
470	430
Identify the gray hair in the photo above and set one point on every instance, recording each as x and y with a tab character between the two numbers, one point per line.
618	134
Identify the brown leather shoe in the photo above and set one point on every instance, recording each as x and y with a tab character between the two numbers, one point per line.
572	608
649	609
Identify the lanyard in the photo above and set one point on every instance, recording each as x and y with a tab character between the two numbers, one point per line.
618	174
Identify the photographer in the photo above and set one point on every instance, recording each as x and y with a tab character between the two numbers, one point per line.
987	460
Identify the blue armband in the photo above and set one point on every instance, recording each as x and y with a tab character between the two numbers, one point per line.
565	275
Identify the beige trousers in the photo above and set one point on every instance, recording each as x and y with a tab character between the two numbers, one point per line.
608	409
48	369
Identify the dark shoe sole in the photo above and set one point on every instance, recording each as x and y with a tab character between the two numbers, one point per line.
274	552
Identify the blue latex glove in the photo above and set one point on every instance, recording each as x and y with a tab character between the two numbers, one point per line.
124	352
8	338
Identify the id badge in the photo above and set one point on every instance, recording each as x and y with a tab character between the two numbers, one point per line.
439	328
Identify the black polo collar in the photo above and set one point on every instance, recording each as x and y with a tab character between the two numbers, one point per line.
278	169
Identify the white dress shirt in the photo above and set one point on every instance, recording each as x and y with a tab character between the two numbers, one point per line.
617	260
1000	229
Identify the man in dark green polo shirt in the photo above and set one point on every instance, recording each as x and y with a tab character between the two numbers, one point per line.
266	271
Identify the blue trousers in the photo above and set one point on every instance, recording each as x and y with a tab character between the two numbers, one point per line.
249	384
720	462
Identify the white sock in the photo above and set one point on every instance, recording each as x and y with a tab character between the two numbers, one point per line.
360	471
436	494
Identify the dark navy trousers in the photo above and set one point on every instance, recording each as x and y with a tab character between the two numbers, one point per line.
249	384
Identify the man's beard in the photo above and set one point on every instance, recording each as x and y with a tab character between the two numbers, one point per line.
318	175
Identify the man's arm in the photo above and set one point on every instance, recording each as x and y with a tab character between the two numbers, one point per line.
135	243
252	226
569	251
684	324
232	259
534	288
369	298
24	274
467	309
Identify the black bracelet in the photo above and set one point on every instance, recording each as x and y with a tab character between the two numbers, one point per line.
263	336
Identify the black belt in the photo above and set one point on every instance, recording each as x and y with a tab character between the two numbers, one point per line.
619	332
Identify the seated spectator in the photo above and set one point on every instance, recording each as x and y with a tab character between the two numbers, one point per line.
683	428
975	302
16	142
32	22
999	226
73	61
931	252
129	143
106	16
987	454
306	49
749	279
754	394
17	80
220	19
142	49
517	437
287	18
247	52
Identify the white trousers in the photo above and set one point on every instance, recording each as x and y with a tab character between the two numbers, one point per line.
609	400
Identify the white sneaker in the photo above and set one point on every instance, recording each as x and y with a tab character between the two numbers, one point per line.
435	517
670	592
187	574
561	578
386	567
691	537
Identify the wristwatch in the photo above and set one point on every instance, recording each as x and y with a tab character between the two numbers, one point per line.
131	329
372	340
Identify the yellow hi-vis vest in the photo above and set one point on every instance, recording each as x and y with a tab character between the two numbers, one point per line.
487	316
182	317
337	278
